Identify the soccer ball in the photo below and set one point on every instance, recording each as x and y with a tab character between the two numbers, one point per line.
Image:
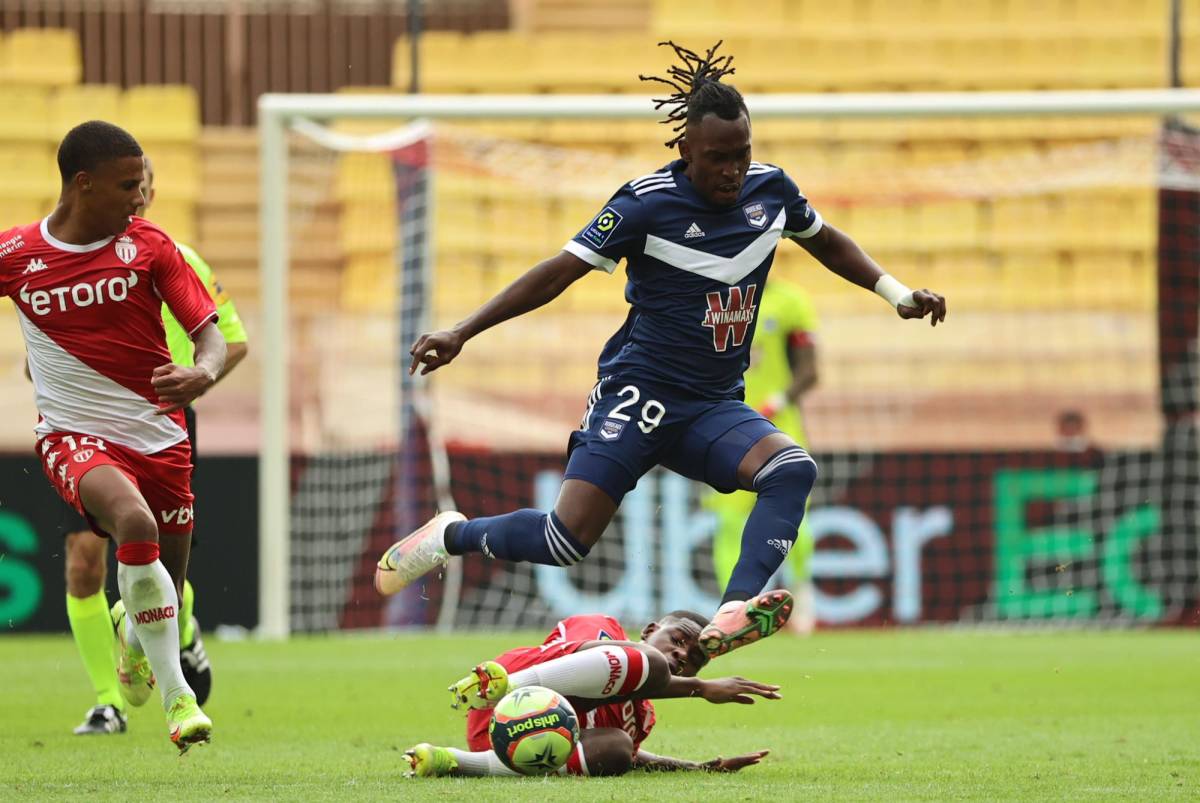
534	730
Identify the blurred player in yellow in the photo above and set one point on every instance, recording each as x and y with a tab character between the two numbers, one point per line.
87	605
783	368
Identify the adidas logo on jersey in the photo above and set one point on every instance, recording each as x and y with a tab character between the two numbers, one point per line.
693	232
784	545
34	266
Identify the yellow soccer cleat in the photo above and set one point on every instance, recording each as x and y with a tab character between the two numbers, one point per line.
187	724
134	676
483	688
428	761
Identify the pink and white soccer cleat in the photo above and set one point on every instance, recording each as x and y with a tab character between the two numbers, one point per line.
417	554
737	624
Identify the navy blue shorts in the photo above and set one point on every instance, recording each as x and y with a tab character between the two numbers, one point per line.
630	426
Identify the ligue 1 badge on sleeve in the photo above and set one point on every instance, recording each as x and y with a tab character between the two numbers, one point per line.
756	214
125	249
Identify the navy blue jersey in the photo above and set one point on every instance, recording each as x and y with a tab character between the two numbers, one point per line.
696	273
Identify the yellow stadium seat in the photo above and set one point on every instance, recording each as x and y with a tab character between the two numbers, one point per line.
176	171
72	105
364	176
368	283
29	173
368	227
27	114
176	218
948	224
162	113
17	212
42	57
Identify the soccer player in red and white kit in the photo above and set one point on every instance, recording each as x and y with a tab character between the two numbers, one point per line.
609	680
89	282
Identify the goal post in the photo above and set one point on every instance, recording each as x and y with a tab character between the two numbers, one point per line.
278	116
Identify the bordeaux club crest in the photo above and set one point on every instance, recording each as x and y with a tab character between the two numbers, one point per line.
756	214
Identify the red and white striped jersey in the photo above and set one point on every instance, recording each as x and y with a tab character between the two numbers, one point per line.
92	320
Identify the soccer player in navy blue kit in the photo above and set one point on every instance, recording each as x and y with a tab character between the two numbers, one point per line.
698	238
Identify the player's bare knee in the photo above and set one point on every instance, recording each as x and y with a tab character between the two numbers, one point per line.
608	752
85	568
134	522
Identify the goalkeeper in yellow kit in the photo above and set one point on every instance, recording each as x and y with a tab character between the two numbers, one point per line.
783	367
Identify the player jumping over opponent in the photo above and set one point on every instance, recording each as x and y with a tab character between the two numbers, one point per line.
88	283
578	659
698	237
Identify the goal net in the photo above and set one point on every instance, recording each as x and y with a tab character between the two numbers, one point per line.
1032	460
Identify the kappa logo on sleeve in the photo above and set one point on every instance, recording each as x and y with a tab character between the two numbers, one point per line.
600	229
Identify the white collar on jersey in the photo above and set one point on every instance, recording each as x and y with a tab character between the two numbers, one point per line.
75	249
729	270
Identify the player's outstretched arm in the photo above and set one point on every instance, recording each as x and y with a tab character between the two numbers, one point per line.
540	285
178	386
652	763
734	689
840	254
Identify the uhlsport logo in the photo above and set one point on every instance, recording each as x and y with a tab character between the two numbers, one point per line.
84	294
544	721
125	249
756	214
730	319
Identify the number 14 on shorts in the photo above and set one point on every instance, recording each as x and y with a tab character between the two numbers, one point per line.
80	449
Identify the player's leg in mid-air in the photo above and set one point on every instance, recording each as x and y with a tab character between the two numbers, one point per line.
98	479
731	512
606	459
730	446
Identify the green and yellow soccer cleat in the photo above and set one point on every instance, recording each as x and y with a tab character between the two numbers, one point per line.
134	676
187	724
428	761
483	688
737	625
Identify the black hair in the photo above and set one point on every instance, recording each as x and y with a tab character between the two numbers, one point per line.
90	144
698	89
692	616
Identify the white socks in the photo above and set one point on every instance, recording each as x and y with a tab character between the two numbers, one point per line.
481	765
151	608
594	674
487	764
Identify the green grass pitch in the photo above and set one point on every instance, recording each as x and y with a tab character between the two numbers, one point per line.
902	715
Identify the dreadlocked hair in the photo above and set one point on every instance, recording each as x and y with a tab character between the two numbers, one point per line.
698	89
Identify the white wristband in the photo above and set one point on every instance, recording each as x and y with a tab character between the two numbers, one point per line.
894	292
